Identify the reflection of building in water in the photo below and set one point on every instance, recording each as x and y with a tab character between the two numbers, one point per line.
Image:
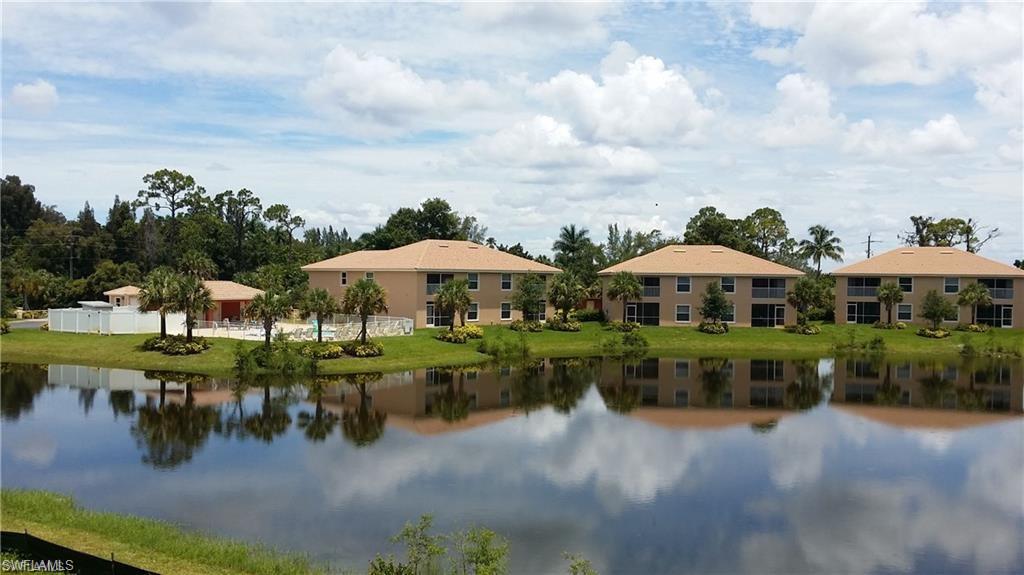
981	385
205	391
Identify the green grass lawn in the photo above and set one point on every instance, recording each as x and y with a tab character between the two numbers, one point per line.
422	350
153	545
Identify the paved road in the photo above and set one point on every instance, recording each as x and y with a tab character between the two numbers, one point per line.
26	323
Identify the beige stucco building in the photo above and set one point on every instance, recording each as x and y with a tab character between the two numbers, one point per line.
229	298
675	277
919	270
412	274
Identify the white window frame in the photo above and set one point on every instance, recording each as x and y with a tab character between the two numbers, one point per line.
911	278
473	278
430	316
343	278
675	371
369	276
945	286
721	283
954	320
510	282
689	313
910	371
501	311
473	308
689	284
900	305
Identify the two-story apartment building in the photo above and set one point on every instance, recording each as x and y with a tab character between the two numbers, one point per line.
918	270
412	274
675	277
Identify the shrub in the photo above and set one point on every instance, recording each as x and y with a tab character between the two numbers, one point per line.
623	326
713	328
176	345
589	315
44	327
803	329
369	349
4	326
973	327
471	331
556	323
322	351
531	326
634	341
884	325
503	346
453	336
934	334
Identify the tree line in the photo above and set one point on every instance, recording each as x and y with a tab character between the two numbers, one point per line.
50	260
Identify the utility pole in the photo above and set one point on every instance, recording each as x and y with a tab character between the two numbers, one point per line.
71	257
869	243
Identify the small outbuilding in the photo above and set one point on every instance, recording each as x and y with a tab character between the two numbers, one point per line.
230	298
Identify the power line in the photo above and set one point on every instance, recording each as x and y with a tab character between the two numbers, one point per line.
870	242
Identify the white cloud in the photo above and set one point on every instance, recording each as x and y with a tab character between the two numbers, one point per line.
1013	152
942	136
937	137
803	114
575	18
544	145
376	96
635	102
999	88
37	97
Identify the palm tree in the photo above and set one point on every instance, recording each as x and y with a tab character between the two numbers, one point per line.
31	283
193	299
889	294
565	292
267	308
571	241
454	296
198	264
624	287
822	245
158	293
974	295
364	298
321	303
362	425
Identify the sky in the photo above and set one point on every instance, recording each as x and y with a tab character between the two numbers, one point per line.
532	116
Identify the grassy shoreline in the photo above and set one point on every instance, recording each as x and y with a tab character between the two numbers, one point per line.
422	350
154	545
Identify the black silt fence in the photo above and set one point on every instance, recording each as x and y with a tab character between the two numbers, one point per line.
29	547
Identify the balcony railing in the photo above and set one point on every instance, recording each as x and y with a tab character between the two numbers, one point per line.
432	288
862	291
652	291
774	293
1001	293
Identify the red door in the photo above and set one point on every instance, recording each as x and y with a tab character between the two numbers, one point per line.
231	310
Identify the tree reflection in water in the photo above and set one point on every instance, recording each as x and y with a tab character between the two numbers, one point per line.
620	397
273	418
569	381
20	384
453	403
529	391
363	425
321	423
169	435
716	381
122	402
805	392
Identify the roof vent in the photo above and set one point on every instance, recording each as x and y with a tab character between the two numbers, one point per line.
474	247
907	252
679	251
947	252
716	251
442	245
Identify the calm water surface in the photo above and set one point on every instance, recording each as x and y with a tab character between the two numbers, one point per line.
656	466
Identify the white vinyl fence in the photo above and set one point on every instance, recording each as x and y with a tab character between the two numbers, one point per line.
340	328
114	321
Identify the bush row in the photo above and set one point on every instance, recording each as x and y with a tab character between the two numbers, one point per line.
558	324
461	334
884	325
713	328
532	326
176	345
933	333
803	329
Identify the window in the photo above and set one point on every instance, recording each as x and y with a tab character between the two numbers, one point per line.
862	369
682	369
863	312
729	285
117	301
682	313
472	375
767	396
954	317
767	314
652	286
951	285
647	313
369	276
541	314
473	314
644	369
862	287
682	398
649	395
506	282
505	397
683	284
998	288
905	312
344	278
435	281
907	284
904	371
506	311
731	316
768	288
996	315
767	370
436	317
473	279
951	372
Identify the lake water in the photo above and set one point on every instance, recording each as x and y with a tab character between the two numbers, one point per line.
662	465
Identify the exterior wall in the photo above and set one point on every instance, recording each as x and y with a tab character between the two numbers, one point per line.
217	313
407	293
922	285
742	298
853	385
125	300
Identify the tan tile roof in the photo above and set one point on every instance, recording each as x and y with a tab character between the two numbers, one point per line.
432	255
128	290
929	261
700	261
221	290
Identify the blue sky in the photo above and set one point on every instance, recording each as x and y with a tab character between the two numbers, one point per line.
531	116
